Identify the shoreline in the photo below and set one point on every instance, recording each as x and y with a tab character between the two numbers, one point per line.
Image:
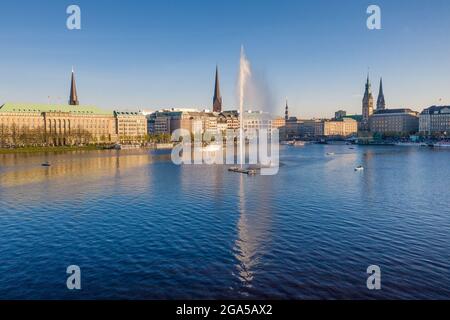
32	150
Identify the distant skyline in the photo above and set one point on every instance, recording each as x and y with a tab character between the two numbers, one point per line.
150	55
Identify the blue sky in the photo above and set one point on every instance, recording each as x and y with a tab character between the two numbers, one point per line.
152	54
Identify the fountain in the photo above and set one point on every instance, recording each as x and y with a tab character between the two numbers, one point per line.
244	74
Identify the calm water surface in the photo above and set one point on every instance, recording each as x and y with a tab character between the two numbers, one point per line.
142	228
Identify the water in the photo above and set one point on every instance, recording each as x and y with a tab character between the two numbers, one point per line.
142	228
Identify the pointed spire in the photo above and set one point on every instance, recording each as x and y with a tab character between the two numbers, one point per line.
381	103
73	99
286	112
217	100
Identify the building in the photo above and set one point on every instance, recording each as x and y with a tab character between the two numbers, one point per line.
131	126
310	128
55	124
394	121
381	103
435	120
343	128
217	99
339	115
228	120
39	124
367	106
292	128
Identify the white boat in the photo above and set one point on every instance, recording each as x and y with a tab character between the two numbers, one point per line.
212	148
359	168
299	143
442	145
330	153
408	144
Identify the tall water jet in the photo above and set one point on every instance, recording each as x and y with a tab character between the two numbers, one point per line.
244	75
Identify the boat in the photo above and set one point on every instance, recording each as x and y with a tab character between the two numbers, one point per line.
441	145
212	148
250	172
299	143
46	164
359	168
408	144
330	153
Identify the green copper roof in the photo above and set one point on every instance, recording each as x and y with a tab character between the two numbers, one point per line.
24	107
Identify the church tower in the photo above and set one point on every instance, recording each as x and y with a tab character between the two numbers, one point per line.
367	106
217	100
73	99
286	112
381	103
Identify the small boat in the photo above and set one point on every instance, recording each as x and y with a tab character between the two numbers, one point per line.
46	164
442	145
359	168
299	144
330	153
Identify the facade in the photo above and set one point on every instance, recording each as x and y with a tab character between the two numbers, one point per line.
38	124
56	124
394	121
130	126
217	99
166	121
435	120
311	128
367	106
345	127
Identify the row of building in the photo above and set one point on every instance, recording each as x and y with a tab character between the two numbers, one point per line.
68	124
75	123
434	120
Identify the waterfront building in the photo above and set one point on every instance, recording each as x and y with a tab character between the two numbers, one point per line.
381	103
292	128
310	128
344	127
40	124
279	123
435	120
394	121
217	99
367	106
131	126
228	121
55	124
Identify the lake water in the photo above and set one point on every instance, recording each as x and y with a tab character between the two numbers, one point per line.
140	227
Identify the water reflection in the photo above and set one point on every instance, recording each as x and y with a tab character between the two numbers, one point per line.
89	165
253	227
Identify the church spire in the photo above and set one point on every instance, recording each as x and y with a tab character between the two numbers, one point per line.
217	100
381	103
286	112
73	99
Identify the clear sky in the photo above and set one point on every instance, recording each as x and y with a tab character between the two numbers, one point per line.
150	54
